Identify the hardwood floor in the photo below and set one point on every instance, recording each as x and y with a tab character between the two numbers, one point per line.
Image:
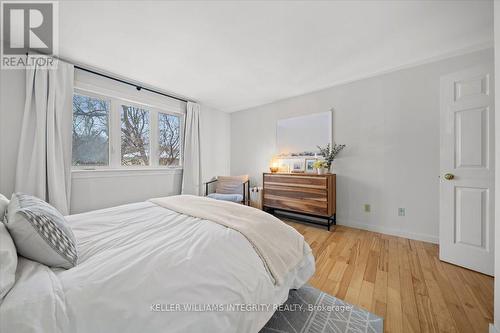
399	279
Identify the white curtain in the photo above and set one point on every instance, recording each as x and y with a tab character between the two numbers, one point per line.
191	177
44	157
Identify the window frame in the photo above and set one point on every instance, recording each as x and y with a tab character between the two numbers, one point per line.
108	100
116	100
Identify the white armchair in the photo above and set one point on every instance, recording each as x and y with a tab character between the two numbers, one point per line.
229	188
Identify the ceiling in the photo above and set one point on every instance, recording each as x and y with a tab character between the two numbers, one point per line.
232	55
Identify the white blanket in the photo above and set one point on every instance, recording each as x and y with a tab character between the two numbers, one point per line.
136	256
279	246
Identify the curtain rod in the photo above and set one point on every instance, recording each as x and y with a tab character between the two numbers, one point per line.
129	83
138	87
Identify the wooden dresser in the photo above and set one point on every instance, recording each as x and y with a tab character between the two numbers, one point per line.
301	193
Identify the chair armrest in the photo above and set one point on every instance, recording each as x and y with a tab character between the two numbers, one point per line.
207	184
246	193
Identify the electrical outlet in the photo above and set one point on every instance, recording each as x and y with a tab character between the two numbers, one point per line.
367	208
401	211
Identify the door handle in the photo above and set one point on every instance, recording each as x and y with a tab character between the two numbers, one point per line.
449	176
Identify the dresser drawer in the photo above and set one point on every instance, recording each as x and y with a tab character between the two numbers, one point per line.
300	193
296	181
306	206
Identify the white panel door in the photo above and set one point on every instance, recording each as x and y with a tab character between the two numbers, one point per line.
466	234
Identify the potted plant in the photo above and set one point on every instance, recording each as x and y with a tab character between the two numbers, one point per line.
320	167
329	153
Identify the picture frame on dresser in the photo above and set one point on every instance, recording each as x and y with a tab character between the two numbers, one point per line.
309	165
284	165
298	165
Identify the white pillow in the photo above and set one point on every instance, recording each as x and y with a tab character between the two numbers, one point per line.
4	202
40	232
8	258
230	184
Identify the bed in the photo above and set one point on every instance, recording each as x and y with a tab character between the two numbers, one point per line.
145	268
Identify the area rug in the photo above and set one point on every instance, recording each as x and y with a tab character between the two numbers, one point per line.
309	310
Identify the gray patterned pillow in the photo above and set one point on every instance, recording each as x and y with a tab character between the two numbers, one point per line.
40	232
4	202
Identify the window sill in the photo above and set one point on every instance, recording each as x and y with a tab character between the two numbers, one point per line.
105	173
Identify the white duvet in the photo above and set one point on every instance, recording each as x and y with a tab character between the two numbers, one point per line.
139	266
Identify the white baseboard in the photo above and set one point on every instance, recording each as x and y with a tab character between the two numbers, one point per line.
393	232
493	329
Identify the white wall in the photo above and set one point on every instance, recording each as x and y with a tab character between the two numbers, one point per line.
99	189
390	124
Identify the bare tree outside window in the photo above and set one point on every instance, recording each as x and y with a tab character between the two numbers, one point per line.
135	136
90	131
169	139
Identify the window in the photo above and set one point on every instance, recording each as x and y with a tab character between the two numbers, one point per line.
169	138
90	131
135	136
115	132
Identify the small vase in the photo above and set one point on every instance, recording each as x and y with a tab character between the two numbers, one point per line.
321	171
331	169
